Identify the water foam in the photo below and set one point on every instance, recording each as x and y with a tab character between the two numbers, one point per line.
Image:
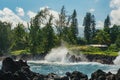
57	55
117	60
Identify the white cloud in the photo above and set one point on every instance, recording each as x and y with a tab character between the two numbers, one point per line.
115	16
31	14
99	25
9	16
20	11
43	8
115	3
92	10
115	12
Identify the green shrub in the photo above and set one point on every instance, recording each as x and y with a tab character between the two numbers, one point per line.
93	49
113	47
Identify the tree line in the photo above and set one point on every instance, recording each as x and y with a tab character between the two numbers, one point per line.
42	34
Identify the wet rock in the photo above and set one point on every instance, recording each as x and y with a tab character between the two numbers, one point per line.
40	77
53	76
8	65
110	77
68	74
19	70
117	76
104	59
78	76
19	75
72	58
65	78
98	75
7	76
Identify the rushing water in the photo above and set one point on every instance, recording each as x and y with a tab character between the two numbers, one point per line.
57	62
45	67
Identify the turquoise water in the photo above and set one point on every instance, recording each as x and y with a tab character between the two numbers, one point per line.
61	68
44	67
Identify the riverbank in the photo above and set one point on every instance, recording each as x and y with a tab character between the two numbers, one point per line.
20	70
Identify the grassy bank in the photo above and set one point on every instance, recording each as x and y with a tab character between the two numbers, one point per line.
78	50
92	50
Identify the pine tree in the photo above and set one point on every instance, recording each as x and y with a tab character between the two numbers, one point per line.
36	44
107	24
87	28
74	27
114	32
20	35
61	23
93	29
49	35
5	37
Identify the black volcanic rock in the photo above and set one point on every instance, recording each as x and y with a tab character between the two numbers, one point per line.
9	65
99	74
19	70
78	76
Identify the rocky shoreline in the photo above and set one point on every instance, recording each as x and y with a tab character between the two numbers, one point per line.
104	59
20	70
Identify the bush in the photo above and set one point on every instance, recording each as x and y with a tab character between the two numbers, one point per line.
113	47
19	52
93	49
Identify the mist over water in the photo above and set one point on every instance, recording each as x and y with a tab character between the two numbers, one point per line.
64	55
57	55
117	60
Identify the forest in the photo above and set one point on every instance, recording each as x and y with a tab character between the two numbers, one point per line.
41	34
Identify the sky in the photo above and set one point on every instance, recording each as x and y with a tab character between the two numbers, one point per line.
16	11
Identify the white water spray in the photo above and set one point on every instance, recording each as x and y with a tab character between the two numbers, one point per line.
117	60
58	55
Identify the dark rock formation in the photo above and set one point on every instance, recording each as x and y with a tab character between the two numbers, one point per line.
19	70
104	59
78	76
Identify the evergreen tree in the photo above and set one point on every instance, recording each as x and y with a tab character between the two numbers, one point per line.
93	29
87	28
49	35
36	45
5	37
107	24
61	23
117	42
20	36
114	32
74	27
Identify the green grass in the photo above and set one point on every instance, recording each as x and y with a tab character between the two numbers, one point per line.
18	52
92	50
102	53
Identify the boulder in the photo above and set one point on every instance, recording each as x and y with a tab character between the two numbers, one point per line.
8	65
78	76
52	76
7	76
98	75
